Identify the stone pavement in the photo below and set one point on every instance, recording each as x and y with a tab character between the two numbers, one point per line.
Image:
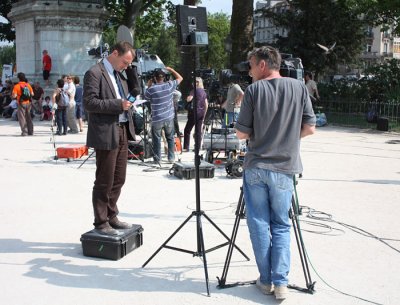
350	193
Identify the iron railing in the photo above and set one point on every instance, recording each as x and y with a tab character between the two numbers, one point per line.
354	113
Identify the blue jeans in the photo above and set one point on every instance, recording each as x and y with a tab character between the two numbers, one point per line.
267	196
169	131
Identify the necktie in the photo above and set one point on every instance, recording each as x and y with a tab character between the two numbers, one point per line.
122	117
119	84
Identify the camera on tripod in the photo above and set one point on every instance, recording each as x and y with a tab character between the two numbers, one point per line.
290	67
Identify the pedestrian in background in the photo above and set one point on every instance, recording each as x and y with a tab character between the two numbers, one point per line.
24	104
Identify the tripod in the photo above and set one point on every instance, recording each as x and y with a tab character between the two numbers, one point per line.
198	213
293	214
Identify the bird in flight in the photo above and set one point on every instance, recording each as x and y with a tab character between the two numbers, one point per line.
326	49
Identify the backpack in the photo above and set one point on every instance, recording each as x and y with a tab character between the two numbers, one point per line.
25	93
62	99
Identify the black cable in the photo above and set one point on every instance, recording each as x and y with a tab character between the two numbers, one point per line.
322	216
327	217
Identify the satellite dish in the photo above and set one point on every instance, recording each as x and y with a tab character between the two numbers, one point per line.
124	34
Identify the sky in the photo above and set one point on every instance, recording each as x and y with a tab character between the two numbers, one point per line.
215	6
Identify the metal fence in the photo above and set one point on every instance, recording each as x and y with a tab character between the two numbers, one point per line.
360	114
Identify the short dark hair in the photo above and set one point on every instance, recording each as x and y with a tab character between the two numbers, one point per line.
60	83
76	80
158	74
21	77
271	56
123	47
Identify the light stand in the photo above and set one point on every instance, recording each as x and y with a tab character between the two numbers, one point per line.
293	214
198	213
146	143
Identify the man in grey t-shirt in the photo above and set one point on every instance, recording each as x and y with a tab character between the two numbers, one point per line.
275	113
233	100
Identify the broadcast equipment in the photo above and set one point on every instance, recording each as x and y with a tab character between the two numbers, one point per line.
290	67
192	25
191	13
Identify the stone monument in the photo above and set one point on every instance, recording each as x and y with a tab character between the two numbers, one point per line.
66	28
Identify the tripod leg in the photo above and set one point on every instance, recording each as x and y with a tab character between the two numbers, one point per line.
203	251
84	161
227	238
294	212
169	238
239	213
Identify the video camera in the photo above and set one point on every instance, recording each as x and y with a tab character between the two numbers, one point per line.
290	67
100	52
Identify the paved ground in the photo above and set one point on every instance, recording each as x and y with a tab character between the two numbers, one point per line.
350	187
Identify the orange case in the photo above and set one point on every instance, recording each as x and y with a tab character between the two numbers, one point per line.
72	151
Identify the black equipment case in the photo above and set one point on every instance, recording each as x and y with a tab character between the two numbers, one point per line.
188	170
382	124
112	246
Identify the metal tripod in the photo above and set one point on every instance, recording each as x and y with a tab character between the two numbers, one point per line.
198	213
293	214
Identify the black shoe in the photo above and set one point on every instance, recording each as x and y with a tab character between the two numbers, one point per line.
58	133
120	225
107	231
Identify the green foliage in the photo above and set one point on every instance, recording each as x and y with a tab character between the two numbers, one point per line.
7	56
380	84
324	22
165	46
6	30
219	28
144	17
383	12
383	81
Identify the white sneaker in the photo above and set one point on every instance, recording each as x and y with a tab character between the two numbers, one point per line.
265	289
281	292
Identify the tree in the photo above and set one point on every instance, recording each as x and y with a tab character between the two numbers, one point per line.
241	30
218	27
385	13
6	31
7	56
143	17
309	22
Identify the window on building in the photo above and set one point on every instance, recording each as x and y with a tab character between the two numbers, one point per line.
369	48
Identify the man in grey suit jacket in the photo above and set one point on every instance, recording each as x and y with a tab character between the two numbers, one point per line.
110	125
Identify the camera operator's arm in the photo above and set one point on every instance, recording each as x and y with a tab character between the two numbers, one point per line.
307	130
176	75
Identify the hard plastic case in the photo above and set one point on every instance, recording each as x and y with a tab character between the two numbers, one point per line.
109	246
72	151
188	171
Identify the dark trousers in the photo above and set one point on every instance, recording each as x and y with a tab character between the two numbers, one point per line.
176	123
61	118
110	177
25	119
188	128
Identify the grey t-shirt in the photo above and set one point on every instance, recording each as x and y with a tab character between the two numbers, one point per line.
272	113
233	91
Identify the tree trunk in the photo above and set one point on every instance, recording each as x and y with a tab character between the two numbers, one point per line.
241	30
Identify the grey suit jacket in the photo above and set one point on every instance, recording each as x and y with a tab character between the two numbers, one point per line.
103	107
